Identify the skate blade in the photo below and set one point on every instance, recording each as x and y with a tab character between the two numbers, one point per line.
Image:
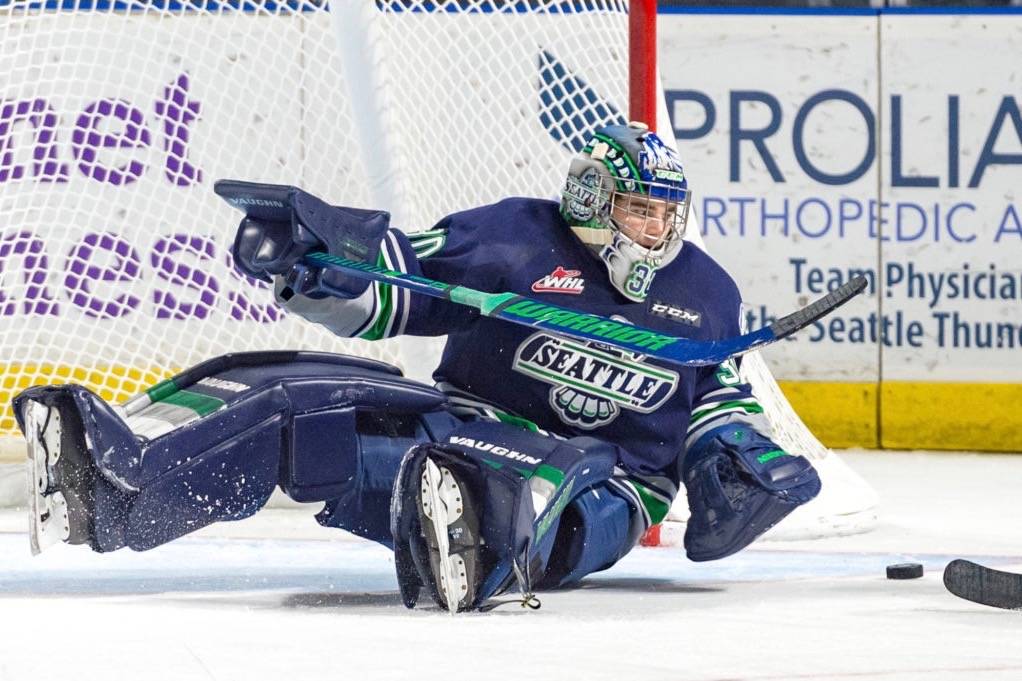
48	517
442	505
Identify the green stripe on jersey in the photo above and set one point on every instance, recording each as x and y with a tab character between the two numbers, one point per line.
749	407
656	507
427	243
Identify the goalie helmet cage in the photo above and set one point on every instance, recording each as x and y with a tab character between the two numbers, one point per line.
117	115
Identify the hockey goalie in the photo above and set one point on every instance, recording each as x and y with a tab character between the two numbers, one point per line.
534	460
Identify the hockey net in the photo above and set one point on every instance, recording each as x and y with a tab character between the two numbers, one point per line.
116	116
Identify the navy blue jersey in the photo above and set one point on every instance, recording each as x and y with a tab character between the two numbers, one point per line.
564	386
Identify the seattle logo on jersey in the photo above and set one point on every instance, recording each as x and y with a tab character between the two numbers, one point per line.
591	383
560	281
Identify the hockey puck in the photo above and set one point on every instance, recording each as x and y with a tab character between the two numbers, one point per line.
904	571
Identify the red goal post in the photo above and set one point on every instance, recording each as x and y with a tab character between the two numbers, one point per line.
643	81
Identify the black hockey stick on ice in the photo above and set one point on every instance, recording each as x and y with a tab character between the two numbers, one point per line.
563	321
983	585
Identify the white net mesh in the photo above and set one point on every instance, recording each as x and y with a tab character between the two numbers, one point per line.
116	118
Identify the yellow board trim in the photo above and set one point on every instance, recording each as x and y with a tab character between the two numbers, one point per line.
911	414
838	414
115	383
971	416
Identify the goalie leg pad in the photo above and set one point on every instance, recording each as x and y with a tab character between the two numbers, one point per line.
480	511
213	442
230	481
740	484
119	490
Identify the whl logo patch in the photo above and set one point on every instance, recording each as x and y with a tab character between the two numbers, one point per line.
590	385
560	281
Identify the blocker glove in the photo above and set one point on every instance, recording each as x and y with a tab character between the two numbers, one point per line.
283	223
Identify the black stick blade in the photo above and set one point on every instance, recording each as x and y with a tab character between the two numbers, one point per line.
984	585
785	326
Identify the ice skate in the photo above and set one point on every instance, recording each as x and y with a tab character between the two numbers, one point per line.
60	499
451	526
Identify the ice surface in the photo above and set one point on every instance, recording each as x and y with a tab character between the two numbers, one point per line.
276	597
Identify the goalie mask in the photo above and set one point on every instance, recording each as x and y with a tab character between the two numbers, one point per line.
626	197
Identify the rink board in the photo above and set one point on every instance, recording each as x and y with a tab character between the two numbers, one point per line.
823	145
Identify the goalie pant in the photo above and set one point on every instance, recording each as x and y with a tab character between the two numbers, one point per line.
211	444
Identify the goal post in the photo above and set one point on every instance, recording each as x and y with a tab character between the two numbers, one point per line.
116	116
643	80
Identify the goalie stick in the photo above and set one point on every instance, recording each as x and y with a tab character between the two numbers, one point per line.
273	202
527	311
983	585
